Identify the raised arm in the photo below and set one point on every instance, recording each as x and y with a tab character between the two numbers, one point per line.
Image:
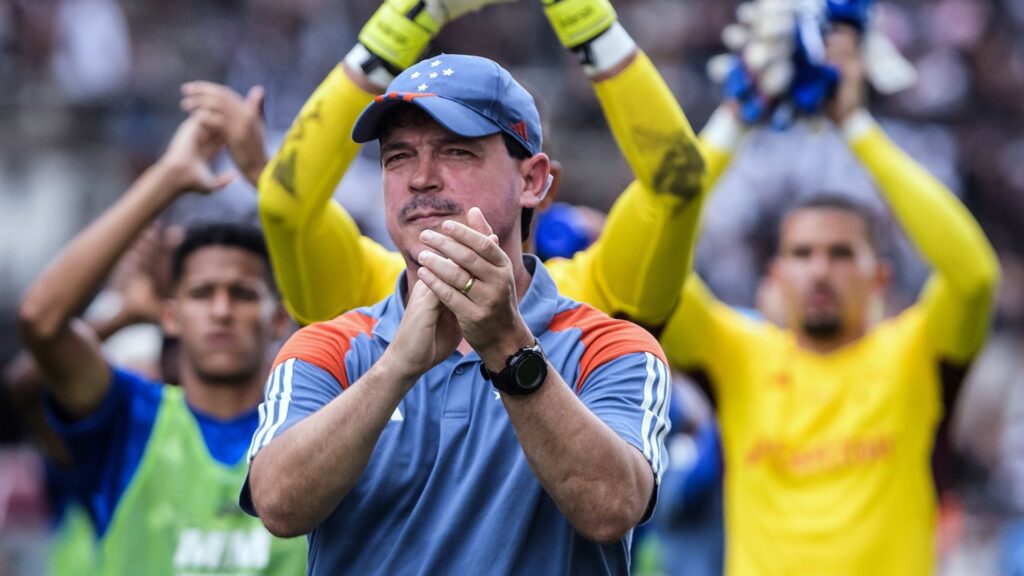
960	296
322	264
637	265
132	297
667	228
65	348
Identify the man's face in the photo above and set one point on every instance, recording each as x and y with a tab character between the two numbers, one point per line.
827	273
225	314
432	175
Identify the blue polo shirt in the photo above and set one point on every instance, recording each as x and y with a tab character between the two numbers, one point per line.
448	489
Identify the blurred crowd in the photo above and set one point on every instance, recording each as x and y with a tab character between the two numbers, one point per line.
89	92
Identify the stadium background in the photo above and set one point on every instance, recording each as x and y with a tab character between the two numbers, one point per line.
89	92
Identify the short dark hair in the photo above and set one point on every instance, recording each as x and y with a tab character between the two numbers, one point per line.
401	116
243	236
519	152
873	223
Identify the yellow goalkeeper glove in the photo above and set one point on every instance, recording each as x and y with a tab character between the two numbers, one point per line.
592	30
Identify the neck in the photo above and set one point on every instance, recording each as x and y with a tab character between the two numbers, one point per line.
222	401
520	274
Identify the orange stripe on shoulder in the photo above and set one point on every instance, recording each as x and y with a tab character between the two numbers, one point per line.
325	344
604	338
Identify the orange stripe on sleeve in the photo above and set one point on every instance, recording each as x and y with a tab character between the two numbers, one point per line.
604	338
325	344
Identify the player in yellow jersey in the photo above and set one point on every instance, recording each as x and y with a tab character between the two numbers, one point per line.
828	425
323	265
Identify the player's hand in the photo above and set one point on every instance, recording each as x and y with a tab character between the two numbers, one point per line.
186	162
842	48
141	278
758	70
445	11
426	336
238	122
488	310
399	32
577	22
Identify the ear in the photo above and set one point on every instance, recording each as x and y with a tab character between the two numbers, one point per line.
772	271
769	301
556	180
880	282
883	276
169	318
282	322
534	171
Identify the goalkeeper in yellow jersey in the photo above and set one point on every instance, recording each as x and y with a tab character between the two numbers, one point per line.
324	267
828	425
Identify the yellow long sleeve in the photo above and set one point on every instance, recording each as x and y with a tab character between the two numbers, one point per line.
960	296
692	331
716	160
648	241
701	333
637	265
651	130
322	264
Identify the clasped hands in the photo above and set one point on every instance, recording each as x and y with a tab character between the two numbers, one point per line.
466	289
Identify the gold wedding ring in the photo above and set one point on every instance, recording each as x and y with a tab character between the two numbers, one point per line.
469	285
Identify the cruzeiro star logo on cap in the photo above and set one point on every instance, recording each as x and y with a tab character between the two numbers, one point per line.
431	74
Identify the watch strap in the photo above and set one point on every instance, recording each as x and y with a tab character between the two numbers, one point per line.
505	380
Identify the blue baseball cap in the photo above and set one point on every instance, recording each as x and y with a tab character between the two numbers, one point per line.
468	95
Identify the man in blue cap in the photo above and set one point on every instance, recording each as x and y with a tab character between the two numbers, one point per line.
474	421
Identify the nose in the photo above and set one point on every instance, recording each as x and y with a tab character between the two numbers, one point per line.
425	176
220	306
819	265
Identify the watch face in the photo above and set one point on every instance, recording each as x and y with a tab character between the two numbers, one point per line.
530	373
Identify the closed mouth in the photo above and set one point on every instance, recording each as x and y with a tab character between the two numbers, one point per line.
220	339
419	216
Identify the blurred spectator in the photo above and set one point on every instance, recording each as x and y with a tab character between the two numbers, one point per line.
92	52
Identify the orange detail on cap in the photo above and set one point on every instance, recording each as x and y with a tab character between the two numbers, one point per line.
325	344
407	96
604	338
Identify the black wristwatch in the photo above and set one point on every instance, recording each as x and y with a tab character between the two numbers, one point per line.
524	371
